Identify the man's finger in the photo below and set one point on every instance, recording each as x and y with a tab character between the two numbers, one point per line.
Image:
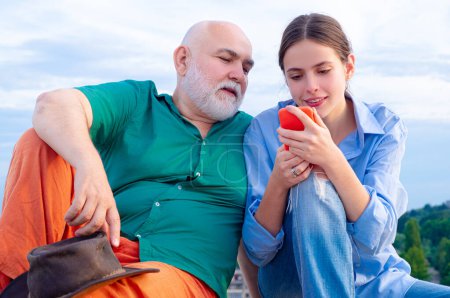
85	215
75	208
94	224
113	220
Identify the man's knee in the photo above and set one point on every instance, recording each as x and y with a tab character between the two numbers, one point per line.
30	139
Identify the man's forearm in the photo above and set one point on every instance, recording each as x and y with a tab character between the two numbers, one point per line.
62	119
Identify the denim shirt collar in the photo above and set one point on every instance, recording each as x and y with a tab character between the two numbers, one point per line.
365	119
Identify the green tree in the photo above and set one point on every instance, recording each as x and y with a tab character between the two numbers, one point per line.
412	234
418	263
443	254
436	228
414	254
445	276
443	260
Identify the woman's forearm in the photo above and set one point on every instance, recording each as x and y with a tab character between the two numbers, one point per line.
272	208
353	194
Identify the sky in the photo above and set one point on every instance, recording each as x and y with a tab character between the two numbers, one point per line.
402	51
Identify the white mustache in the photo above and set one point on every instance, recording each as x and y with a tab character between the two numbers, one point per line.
231	85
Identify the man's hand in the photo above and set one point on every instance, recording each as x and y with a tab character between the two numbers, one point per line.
93	203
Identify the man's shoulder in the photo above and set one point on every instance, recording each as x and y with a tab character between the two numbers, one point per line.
124	85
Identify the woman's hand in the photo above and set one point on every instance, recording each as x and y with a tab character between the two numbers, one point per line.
289	169
314	144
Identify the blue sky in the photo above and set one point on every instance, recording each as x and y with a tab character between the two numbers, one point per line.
402	57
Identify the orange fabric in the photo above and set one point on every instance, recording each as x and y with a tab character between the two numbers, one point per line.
34	202
169	282
38	191
127	252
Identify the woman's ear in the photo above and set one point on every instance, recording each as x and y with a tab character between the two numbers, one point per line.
350	67
181	57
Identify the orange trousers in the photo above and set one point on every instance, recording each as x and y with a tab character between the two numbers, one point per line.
38	191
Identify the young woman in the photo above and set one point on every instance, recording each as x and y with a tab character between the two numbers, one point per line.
322	216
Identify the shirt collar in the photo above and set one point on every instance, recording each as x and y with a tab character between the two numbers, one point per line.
365	120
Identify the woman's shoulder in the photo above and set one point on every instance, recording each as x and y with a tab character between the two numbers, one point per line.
386	118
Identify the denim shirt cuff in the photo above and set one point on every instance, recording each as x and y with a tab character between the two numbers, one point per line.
260	244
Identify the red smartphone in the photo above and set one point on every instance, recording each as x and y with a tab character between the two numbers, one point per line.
290	121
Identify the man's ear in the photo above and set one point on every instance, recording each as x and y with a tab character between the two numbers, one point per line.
181	57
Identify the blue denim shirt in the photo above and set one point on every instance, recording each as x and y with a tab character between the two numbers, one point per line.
374	151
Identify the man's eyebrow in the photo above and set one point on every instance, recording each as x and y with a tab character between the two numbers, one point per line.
235	55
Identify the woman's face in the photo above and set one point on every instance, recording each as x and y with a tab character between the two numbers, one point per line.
316	77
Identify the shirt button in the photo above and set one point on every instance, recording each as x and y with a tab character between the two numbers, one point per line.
180	187
204	143
138	236
198	174
157	204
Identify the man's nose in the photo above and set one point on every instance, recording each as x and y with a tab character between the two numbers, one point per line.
237	74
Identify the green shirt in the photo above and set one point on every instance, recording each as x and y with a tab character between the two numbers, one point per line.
181	196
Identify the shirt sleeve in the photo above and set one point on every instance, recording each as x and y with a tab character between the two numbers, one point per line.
260	245
113	105
377	226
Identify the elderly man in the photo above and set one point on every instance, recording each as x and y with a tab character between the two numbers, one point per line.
164	172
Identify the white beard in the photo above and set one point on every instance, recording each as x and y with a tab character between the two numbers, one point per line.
209	99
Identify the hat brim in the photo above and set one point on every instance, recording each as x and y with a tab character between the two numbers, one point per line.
110	279
19	288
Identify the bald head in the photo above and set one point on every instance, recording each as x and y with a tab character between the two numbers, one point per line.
202	32
212	37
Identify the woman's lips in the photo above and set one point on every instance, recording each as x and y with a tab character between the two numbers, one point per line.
315	102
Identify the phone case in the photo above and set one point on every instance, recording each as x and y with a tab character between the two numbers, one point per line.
290	121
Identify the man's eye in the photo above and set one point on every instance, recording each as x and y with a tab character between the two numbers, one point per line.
324	71
225	59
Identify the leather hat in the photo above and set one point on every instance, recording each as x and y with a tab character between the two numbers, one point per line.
68	267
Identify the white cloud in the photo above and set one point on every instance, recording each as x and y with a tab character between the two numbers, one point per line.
402	46
412	97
